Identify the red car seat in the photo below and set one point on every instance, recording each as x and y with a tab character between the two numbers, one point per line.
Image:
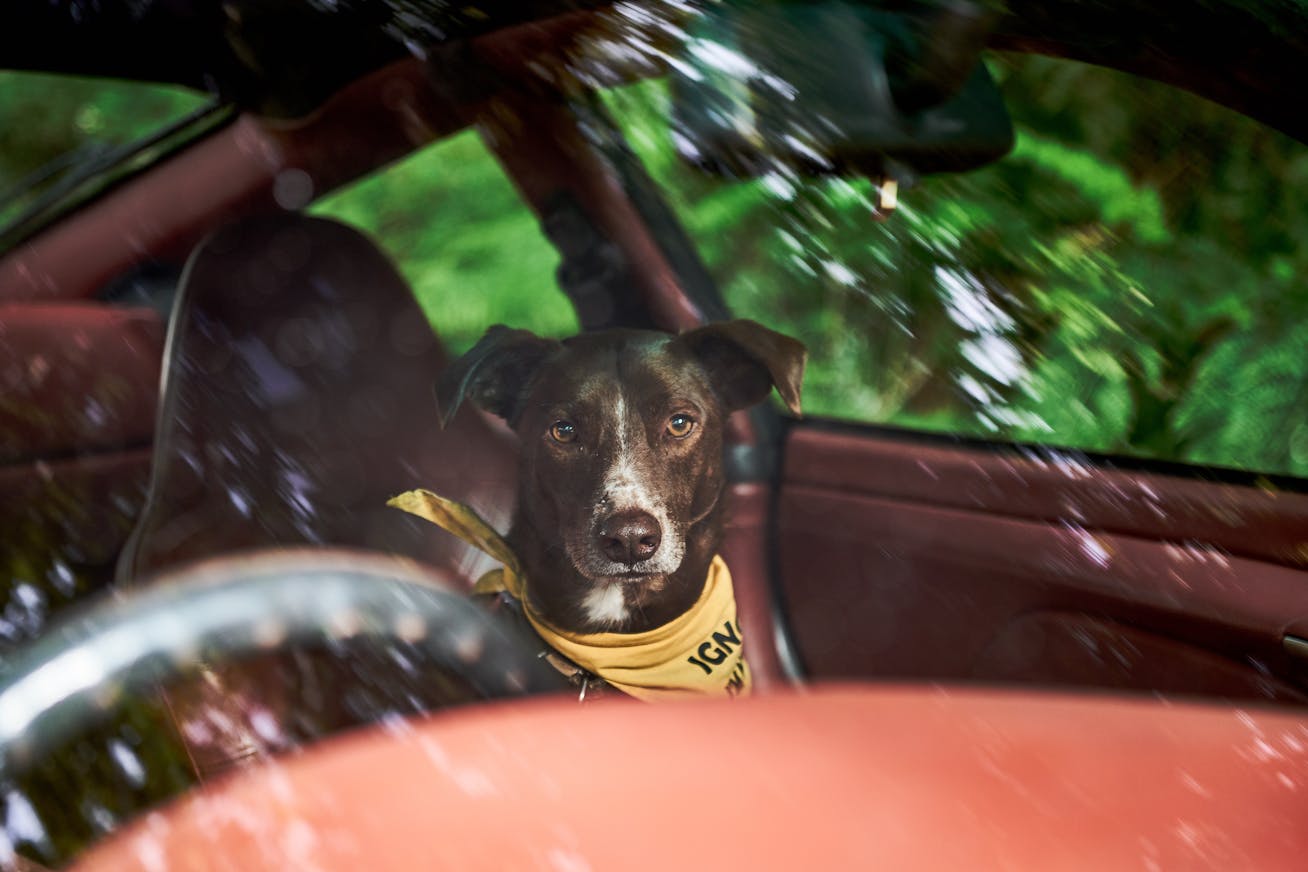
297	398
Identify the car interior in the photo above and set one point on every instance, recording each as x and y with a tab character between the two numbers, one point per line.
274	388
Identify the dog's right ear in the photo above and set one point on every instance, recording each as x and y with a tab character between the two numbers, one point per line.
745	360
494	374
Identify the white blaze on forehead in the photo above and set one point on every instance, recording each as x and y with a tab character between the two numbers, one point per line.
605	605
626	485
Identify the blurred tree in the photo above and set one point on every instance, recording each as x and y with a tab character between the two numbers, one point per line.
45	119
1097	289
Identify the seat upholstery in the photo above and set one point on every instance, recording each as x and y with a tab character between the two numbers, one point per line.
297	398
78	383
76	379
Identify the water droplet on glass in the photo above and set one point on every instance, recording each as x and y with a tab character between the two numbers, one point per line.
127	762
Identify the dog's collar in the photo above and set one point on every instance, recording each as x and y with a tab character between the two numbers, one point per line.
698	652
589	686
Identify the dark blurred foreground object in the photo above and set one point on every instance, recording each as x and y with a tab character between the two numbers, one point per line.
834	778
235	607
286	58
838	87
282	59
262	652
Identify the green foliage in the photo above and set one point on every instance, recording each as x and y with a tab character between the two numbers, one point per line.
463	239
44	116
103	778
1106	186
1127	280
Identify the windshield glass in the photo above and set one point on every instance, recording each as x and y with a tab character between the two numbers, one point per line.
57	131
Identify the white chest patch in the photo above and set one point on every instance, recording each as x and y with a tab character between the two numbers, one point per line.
605	605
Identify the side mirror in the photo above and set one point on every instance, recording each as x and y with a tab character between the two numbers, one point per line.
835	87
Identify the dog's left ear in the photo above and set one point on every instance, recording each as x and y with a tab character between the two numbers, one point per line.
746	360
494	374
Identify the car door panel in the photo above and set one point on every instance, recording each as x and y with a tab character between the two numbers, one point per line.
1050	647
913	559
1262	521
78	391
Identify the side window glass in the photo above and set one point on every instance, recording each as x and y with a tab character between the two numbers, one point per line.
1128	280
55	129
463	238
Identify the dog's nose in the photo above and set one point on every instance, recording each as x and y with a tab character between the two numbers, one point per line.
629	537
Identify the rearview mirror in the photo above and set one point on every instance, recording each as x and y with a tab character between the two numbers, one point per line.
838	87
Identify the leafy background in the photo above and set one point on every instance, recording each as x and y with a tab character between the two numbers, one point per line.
1128	280
46	120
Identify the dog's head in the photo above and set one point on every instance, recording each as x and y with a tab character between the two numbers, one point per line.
622	451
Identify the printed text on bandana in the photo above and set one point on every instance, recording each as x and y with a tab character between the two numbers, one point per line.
714	651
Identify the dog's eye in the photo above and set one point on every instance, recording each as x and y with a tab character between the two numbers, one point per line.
563	431
680	426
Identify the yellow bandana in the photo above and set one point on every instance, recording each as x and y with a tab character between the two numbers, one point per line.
696	653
